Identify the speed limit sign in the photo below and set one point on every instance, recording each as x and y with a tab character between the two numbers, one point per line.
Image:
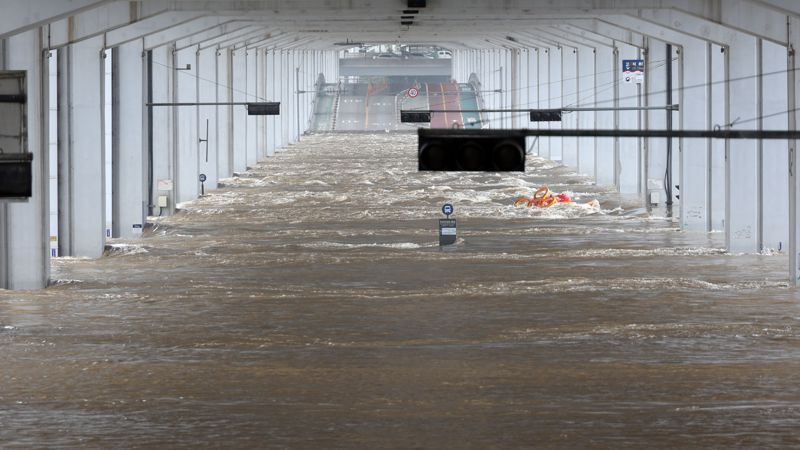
413	92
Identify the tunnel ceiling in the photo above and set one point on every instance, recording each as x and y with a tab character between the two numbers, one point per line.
458	24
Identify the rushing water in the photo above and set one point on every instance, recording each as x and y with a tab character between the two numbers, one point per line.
307	304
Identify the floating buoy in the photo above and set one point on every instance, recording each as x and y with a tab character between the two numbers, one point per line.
545	198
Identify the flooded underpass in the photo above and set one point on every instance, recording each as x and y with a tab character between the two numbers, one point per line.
307	304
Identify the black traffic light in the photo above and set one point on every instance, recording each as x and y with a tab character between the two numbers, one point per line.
16	180
415	117
264	109
471	150
545	115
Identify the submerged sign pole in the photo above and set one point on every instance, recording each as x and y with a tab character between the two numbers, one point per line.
447	227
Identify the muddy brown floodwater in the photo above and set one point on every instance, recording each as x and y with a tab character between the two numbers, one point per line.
306	304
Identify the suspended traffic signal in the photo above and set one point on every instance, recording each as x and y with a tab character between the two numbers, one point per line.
415	117
264	109
16	175
471	150
545	115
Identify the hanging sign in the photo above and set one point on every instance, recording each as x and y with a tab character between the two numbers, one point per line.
633	71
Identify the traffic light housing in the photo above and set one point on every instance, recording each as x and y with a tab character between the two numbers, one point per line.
16	177
546	115
264	109
415	117
468	150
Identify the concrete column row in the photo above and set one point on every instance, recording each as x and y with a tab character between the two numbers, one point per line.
186	140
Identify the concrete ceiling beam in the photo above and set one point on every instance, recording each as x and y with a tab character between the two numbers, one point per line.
151	25
22	15
236	28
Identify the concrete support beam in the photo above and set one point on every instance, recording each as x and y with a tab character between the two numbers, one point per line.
175	33
150	25
90	23
269	78
24	226
240	120
207	116
606	77
82	150
187	163
532	83
554	85
793	97
569	97
204	38
261	93
224	126
629	150
655	95
695	101
544	97
129	141
719	108
19	16
743	162
163	137
251	84
774	197
586	119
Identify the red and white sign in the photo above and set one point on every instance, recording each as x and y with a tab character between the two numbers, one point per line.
413	92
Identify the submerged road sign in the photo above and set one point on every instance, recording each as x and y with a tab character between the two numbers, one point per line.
447	231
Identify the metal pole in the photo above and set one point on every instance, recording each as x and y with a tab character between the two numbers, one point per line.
668	173
672	134
609	108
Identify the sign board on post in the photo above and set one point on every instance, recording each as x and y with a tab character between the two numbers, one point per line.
447	231
633	70
447	227
136	229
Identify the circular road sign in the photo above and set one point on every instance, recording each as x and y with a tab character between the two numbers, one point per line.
413	92
203	178
447	209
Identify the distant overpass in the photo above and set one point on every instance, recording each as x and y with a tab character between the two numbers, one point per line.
419	67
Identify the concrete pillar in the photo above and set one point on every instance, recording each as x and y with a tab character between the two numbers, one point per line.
240	120
24	226
129	176
224	114
775	178
82	150
269	78
586	119
163	144
695	100
793	90
532	96
629	150
556	144
207	116
508	84
251	77
187	161
287	115
718	115
569	97
655	83
543	86
742	170
261	93
605	78
521	119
